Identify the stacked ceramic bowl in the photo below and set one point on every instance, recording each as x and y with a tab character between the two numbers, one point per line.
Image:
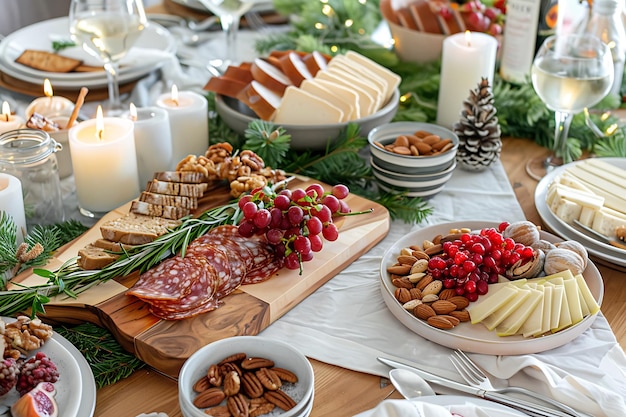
281	354
400	166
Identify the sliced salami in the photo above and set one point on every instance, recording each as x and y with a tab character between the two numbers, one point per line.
165	314
171	280
263	271
220	262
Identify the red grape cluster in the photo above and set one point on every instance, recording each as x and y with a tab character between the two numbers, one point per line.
473	261
294	221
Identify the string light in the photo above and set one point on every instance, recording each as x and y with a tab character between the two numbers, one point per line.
349	23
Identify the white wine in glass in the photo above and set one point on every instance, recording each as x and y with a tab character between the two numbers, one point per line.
569	73
107	29
229	13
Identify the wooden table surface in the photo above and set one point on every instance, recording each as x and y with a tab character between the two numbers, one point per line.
338	391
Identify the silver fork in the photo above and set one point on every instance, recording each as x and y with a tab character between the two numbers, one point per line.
475	377
256	22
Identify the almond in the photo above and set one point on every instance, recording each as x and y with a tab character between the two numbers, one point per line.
402	283
424	311
460	302
416	277
402	295
411	304
433	250
423	283
430	298
455	321
443	306
420	265
420	254
447	293
399	269
406	259
462	315
416	293
440	322
433	288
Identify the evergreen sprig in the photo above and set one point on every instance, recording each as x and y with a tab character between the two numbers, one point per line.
108	360
268	141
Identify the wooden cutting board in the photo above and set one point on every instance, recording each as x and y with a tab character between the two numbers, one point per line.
165	345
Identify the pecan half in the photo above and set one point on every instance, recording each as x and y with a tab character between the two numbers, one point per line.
260	406
209	398
238	405
280	399
201	385
251	385
214	375
250	364
285	375
269	379
232	383
237	357
218	411
229	367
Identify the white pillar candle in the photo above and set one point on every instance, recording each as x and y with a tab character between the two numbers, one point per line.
104	162
50	105
465	59
189	123
12	203
9	121
153	141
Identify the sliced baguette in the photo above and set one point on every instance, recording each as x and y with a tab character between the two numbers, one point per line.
190	203
92	257
189	177
136	229
112	246
166	212
176	188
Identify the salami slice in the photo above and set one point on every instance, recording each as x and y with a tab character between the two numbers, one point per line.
221	265
164	314
170	280
263	271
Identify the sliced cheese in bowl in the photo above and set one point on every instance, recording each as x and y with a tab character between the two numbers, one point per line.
317	88
301	107
392	78
366	101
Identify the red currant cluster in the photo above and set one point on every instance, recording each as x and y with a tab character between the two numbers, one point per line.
473	261
294	221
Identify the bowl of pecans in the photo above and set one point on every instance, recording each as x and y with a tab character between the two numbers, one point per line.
246	375
413	157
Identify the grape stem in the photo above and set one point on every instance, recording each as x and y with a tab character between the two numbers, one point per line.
354	213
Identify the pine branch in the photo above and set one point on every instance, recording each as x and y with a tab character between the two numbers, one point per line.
268	141
108	360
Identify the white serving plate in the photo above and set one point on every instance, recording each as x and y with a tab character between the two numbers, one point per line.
453	403
153	46
566	231
260	6
476	338
76	387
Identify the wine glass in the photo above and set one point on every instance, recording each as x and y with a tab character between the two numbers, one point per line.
569	73
229	13
107	29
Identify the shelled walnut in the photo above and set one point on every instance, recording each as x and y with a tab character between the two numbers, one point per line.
24	335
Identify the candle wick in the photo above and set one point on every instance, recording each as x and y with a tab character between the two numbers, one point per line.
175	101
6	117
100	132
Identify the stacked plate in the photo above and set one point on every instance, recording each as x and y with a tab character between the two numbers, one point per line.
153	47
282	354
595	247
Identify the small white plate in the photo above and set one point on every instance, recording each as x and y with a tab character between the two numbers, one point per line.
566	231
76	387
476	338
489	407
261	6
153	46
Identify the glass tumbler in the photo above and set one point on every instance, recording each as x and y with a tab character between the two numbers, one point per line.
29	155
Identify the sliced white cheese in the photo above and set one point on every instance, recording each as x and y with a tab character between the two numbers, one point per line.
607	222
513	322
557	303
585	199
393	79
299	107
361	72
573	300
586	216
354	81
607	175
606	167
498	316
613	194
316	88
366	101
532	325
548	291
490	302
566	210
570	181
342	93
565	318
591	302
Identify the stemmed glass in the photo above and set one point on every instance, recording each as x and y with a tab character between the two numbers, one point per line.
107	29
569	73
229	13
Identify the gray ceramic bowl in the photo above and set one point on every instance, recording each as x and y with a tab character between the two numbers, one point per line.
315	137
403	164
283	355
415	185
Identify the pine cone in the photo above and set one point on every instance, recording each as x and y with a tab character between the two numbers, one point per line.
478	130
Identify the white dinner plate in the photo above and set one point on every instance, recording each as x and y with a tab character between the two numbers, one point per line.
477	338
76	387
489	407
153	46
566	231
261	6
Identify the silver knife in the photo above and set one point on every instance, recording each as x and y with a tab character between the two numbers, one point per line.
519	404
597	235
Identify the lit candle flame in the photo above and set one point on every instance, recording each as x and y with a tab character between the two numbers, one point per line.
133	112
175	94
47	88
6	111
468	38
99	123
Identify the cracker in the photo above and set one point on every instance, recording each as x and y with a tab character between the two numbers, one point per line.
47	61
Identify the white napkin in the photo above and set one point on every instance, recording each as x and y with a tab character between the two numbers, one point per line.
404	408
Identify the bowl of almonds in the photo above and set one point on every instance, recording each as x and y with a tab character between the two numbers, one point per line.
418	158
246	375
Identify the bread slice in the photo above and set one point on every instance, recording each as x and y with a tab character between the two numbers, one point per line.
189	177
92	257
175	188
47	61
190	203
167	212
112	246
137	229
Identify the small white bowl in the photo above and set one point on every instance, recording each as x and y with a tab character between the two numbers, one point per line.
283	355
304	137
405	164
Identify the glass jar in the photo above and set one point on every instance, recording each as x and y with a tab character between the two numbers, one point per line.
29	154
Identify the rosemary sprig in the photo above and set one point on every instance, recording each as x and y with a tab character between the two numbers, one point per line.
70	280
